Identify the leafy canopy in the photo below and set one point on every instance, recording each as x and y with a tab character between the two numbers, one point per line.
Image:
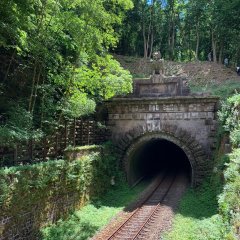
58	51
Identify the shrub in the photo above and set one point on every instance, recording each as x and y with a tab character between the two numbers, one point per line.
229	200
22	188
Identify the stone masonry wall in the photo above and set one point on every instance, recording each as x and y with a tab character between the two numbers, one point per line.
34	196
195	116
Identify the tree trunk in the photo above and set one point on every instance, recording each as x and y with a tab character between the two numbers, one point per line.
152	21
151	45
197	41
36	89
214	48
144	41
172	30
220	57
9	65
33	85
148	38
42	104
189	47
173	41
169	40
144	33
147	35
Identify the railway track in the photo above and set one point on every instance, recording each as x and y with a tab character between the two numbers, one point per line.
139	224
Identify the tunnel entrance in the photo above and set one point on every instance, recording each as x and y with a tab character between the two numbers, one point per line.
154	156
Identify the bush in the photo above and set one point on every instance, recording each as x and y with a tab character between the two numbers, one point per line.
229	200
22	188
19	127
197	216
200	215
223	90
85	222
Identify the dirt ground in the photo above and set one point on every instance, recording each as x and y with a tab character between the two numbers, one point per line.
197	72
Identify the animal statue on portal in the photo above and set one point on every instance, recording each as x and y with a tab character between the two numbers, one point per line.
157	64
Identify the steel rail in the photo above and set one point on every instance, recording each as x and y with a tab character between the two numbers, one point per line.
141	207
155	209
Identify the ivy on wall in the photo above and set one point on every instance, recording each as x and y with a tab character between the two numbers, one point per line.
53	187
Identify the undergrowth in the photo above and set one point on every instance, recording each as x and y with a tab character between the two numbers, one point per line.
229	200
223	90
197	217
207	213
84	223
55	187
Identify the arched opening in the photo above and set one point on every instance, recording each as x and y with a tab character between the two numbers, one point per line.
151	157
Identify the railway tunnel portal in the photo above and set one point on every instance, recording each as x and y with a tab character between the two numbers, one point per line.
162	125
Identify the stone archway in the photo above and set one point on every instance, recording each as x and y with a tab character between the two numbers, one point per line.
144	133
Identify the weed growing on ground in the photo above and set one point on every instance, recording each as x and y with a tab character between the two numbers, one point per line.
197	217
84	223
223	90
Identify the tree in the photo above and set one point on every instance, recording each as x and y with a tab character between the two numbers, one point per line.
60	51
182	30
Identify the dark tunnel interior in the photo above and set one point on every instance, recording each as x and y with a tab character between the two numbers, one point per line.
155	156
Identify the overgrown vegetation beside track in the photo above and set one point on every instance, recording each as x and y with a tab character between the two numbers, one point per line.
229	200
213	210
197	217
86	222
33	196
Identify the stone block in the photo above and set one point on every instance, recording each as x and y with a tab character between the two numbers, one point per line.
156	116
128	137
179	116
227	148
135	116
202	115
210	115
209	121
187	116
212	134
194	115
189	120
194	145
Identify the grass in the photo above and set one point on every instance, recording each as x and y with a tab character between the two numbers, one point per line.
84	223
223	90
197	217
140	75
87	147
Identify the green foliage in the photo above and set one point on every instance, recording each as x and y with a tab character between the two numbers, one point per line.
19	127
87	147
182	30
229	203
78	105
57	57
197	216
84	223
223	90
229	200
37	177
235	137
229	117
104	79
36	181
